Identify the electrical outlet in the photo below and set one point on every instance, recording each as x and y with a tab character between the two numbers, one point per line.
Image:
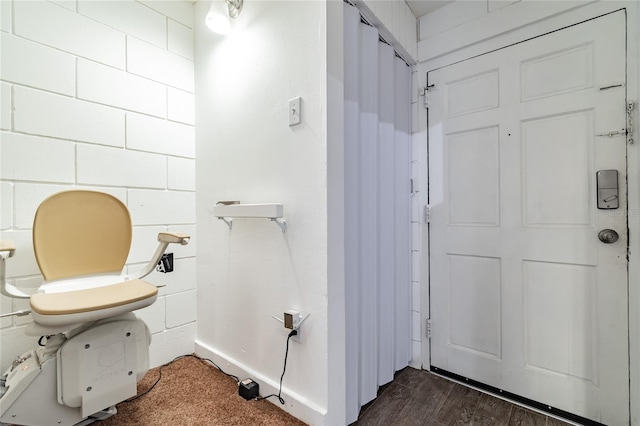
292	322
298	337
166	263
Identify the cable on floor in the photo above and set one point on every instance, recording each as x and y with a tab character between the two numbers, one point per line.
171	362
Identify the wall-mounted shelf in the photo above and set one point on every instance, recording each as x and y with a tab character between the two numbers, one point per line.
225	211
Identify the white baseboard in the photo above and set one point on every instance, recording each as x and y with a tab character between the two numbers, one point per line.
295	404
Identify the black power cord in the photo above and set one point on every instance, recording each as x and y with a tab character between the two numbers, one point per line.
171	362
286	354
45	341
284	369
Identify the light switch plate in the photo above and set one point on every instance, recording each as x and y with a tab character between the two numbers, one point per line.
295	114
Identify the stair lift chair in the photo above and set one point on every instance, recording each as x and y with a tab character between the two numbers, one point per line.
96	349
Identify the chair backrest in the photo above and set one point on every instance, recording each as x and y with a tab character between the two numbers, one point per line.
79	233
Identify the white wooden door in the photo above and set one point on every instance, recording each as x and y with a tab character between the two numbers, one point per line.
524	296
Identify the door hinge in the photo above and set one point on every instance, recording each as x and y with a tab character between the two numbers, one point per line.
428	328
630	108
425	92
427	213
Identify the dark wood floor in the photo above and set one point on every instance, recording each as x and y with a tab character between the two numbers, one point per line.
418	397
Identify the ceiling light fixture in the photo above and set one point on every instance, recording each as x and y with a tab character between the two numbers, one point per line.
218	19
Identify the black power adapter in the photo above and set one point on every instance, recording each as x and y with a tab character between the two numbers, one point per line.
248	389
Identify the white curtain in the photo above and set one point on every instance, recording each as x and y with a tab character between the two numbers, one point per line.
377	211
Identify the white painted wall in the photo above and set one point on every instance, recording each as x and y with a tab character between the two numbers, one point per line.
246	151
468	28
336	291
100	94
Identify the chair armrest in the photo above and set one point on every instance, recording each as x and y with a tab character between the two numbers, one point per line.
7	248
164	238
175	238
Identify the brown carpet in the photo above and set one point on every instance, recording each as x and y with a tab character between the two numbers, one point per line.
193	392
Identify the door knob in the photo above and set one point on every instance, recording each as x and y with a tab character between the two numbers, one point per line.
608	236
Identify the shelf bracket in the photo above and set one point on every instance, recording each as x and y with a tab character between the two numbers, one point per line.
281	223
229	222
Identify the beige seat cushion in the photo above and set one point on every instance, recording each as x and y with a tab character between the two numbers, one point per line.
77	233
94	299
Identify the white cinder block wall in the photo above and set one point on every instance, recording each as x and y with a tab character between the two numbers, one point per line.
100	95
